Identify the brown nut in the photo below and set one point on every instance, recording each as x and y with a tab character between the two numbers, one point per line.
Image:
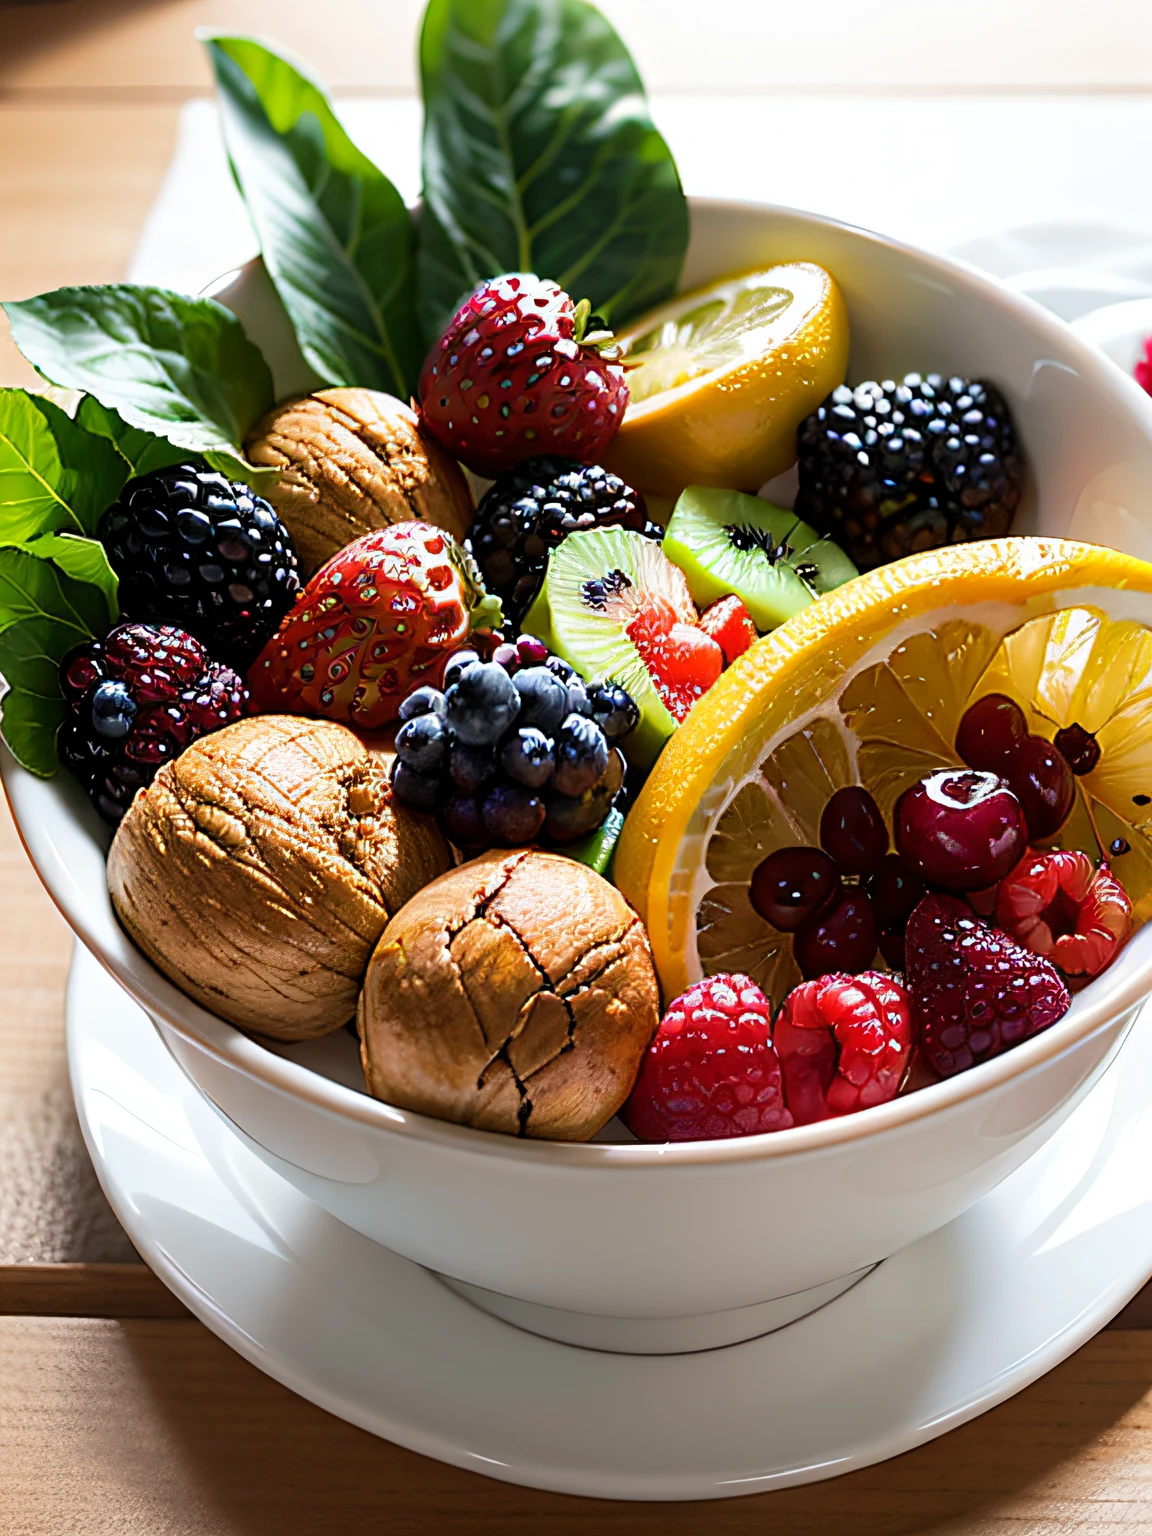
516	994
258	870
351	461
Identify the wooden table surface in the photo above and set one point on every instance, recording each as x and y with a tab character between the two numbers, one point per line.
120	1413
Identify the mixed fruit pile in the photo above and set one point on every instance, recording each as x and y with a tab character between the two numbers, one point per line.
871	798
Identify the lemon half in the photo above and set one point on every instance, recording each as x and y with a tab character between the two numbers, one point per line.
867	686
720	379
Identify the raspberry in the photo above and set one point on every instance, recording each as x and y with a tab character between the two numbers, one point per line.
136	700
513	375
1056	905
844	1044
730	625
711	1070
193	548
975	992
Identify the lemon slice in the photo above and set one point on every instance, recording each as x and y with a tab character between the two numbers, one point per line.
868	685
721	378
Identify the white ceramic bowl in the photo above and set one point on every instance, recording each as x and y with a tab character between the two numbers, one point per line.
664	1247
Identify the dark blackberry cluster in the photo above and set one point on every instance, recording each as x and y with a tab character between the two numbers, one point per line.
527	512
513	749
136	699
891	469
195	549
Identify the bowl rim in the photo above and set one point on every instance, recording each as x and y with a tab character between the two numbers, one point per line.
1115	993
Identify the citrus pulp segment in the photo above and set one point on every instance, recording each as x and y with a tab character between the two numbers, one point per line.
720	379
865	686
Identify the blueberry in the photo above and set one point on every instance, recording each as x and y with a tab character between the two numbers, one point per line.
456	664
421	744
512	814
571	816
527	757
561	669
470	768
581	755
414	789
543	699
482	704
113	710
464	822
578	703
425	701
613	709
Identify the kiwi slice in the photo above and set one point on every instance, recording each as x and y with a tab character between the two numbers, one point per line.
725	541
597	582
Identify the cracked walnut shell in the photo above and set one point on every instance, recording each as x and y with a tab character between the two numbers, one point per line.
515	994
258	870
351	461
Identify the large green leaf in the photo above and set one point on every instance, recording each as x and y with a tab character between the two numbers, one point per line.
144	451
540	155
53	474
335	235
43	613
83	559
179	367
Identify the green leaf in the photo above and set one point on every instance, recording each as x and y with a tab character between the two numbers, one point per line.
44	612
53	474
540	155
31	588
29	725
335	235
144	451
83	559
182	368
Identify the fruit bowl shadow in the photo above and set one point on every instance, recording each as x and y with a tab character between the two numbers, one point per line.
658	1248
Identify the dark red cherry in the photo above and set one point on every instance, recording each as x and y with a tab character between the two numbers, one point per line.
852	830
894	890
1040	778
792	885
990	731
960	829
892	948
841	939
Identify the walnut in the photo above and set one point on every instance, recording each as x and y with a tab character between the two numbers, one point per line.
351	461
258	870
516	994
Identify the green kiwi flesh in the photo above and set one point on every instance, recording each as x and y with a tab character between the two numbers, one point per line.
594	638
725	542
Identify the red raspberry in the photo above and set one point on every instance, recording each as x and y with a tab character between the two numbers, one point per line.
1142	372
711	1070
1057	905
844	1043
975	992
730	625
513	376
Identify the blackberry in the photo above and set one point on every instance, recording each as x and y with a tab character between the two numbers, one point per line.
527	512
890	469
195	549
512	749
135	701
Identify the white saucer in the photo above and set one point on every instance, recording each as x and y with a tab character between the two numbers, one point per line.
930	1338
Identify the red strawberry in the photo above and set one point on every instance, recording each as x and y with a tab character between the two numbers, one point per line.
730	625
844	1044
381	618
683	660
1057	905
975	992
711	1070
514	375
